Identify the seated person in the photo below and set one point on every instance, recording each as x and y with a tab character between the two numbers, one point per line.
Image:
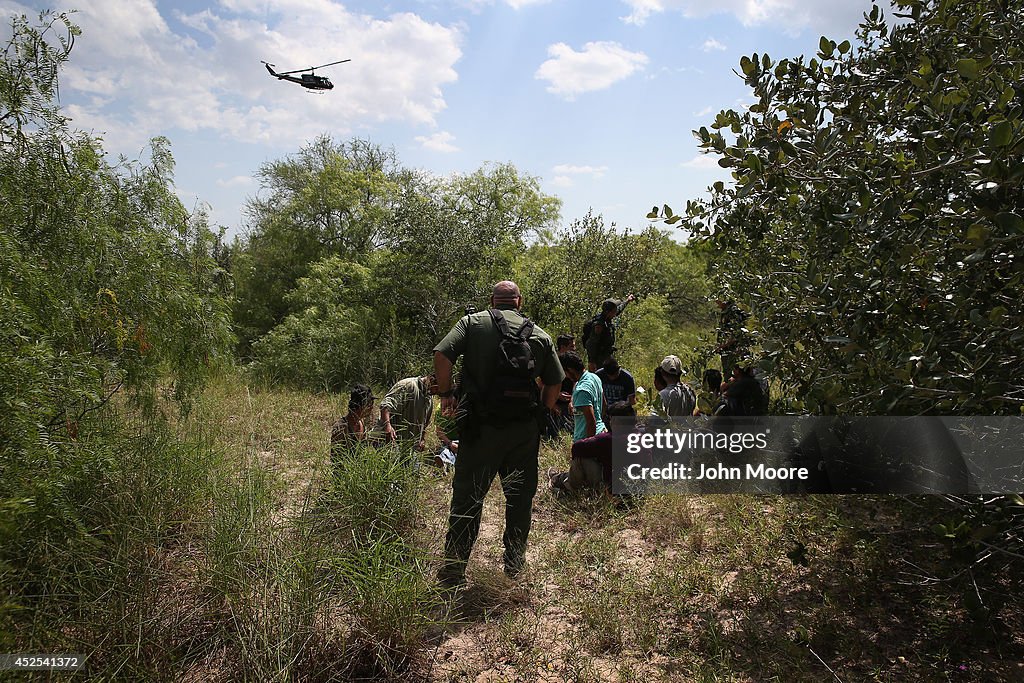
564	420
677	397
587	397
710	392
618	383
591	466
560	420
743	395
351	428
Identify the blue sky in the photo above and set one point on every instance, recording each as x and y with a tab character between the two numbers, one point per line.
596	98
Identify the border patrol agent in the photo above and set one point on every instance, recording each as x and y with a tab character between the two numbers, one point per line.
492	444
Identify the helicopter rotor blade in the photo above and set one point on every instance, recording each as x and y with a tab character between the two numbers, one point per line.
311	68
340	61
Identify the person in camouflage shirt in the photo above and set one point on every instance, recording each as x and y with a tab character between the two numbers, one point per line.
406	410
733	337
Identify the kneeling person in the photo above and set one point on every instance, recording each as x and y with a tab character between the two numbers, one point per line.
591	466
406	410
351	429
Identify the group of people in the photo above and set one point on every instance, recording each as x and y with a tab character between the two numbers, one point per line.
516	386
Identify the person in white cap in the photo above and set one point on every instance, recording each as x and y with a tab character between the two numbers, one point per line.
677	397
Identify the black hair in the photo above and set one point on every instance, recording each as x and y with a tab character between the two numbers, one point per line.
571	360
564	340
360	397
712	380
608	306
611	366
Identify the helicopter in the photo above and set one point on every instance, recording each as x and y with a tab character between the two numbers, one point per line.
310	80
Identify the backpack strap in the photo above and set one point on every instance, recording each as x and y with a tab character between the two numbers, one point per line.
499	322
524	332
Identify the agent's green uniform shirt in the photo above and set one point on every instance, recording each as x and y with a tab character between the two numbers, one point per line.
476	338
411	407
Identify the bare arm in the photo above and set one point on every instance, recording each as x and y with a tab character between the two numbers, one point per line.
588	415
443	370
385	418
550	395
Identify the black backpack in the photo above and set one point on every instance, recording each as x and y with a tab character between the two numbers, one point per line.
588	328
512	393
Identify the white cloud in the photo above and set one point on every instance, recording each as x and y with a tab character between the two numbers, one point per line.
701	161
146	78
569	169
712	44
565	173
236	181
519	4
117	137
479	5
704	112
598	66
641	10
439	142
837	17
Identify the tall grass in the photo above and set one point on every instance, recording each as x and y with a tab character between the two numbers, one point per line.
93	527
162	552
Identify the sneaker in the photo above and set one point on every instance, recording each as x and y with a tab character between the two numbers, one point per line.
556	480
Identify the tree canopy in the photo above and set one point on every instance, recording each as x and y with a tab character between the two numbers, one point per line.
105	280
875	224
395	254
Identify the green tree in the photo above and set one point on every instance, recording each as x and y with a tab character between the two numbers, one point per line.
108	288
875	225
330	199
565	278
457	238
106	280
327	341
440	245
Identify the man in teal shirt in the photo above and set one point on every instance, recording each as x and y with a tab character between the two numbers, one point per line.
587	397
